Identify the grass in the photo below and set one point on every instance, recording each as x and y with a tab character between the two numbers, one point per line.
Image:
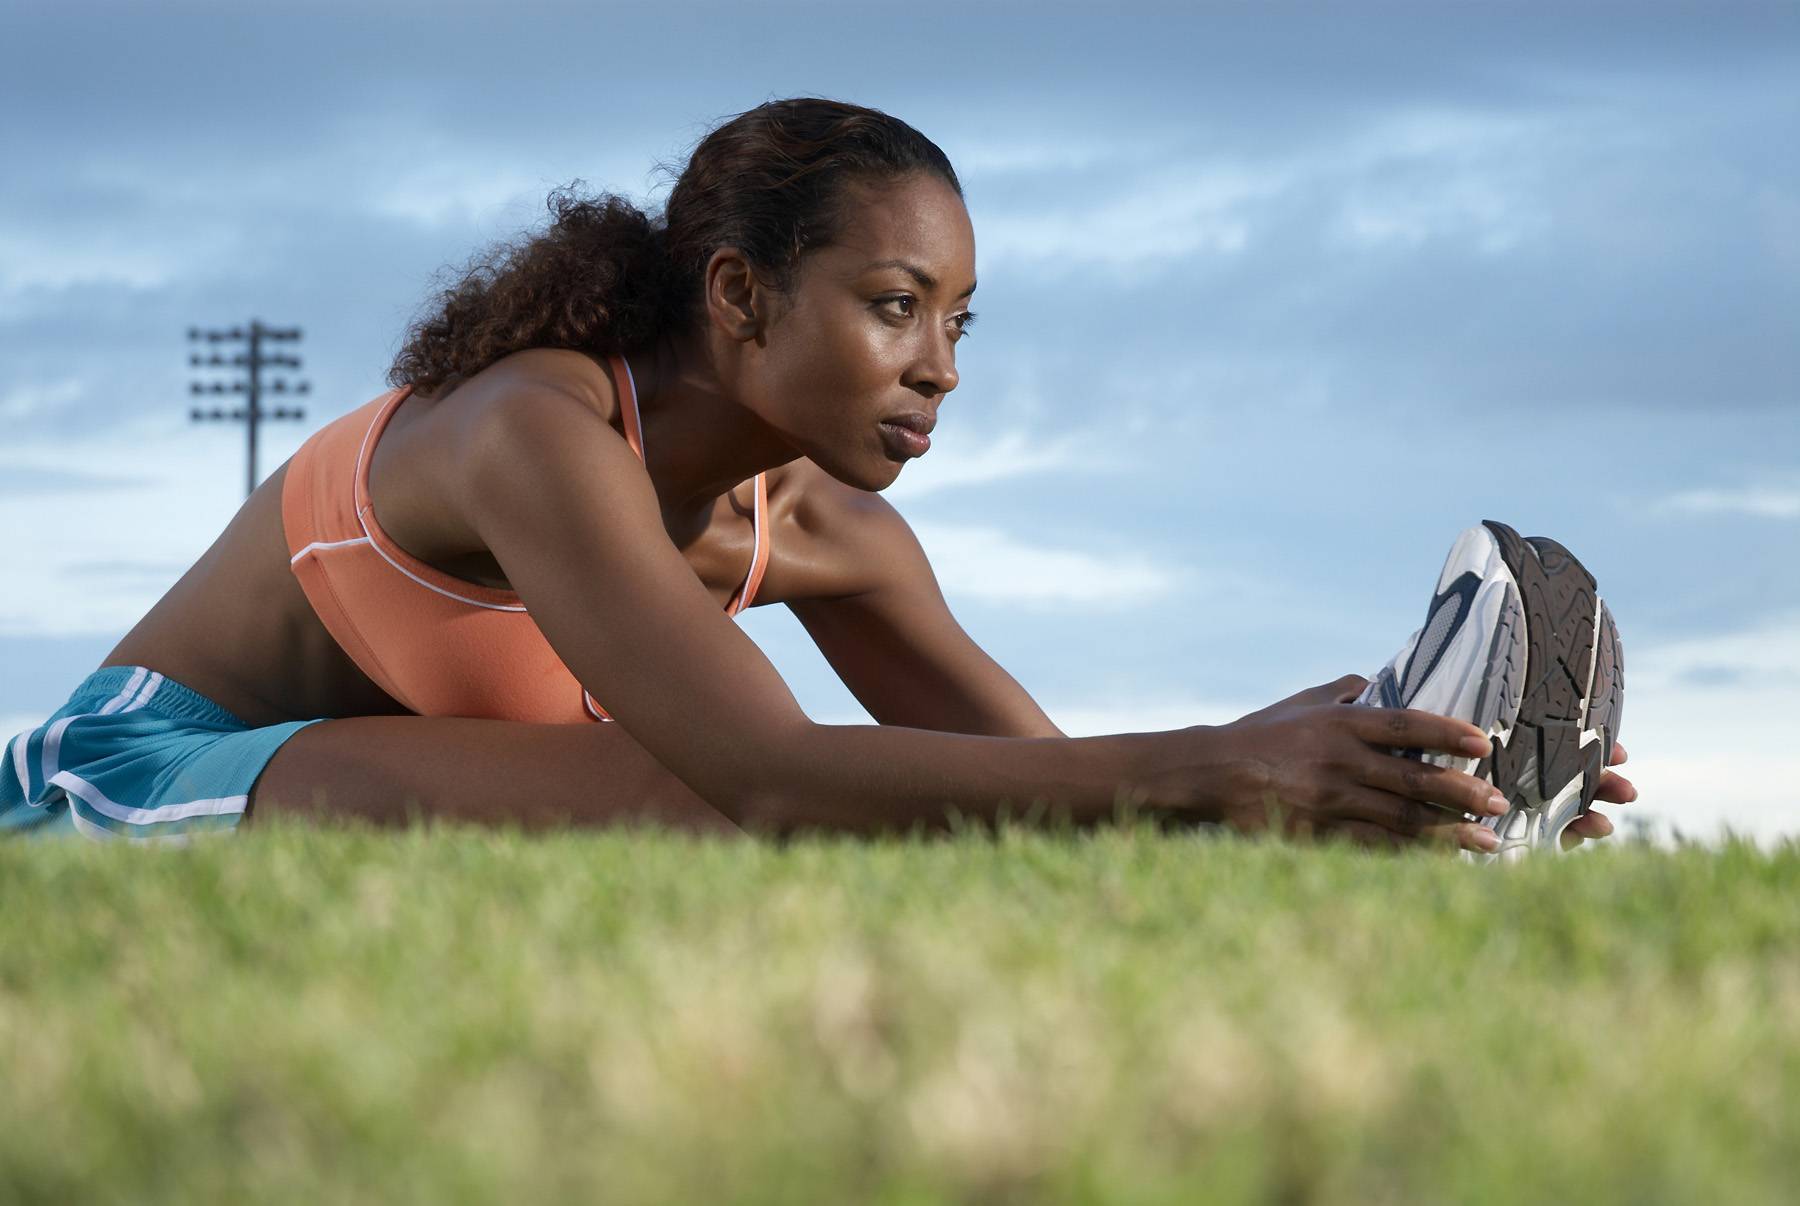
309	1015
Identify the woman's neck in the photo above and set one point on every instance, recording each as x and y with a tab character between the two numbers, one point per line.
698	443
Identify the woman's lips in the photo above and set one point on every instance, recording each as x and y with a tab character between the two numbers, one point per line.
904	440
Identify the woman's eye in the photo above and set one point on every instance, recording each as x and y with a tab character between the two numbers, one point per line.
963	321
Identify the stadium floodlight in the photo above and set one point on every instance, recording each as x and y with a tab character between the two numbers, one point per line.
254	361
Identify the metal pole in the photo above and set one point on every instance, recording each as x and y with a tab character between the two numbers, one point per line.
254	414
252	386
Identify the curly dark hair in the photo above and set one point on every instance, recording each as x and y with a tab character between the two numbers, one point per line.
607	278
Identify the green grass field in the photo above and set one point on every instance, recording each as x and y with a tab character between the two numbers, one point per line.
346	1016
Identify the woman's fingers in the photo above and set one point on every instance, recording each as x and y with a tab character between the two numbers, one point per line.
1439	785
1410	729
1443	838
1592	825
1618	755
1464	835
1615	789
1408	819
1339	691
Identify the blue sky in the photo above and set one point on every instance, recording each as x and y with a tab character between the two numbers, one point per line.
1274	300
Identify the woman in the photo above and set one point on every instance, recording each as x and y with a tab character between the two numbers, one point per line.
601	444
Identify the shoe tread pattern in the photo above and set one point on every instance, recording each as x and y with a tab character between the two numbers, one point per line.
1609	684
1560	600
1499	695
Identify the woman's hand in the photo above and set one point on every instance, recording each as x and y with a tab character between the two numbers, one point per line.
1315	764
1614	789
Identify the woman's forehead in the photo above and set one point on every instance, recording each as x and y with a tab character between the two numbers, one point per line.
918	223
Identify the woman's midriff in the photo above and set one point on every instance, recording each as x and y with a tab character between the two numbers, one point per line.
238	629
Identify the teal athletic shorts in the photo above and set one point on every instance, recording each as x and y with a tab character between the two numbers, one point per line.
138	756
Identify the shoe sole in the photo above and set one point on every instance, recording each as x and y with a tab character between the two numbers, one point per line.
1549	762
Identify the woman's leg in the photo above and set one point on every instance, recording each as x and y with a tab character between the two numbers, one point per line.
387	770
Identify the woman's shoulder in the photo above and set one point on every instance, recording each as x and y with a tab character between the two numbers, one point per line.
524	401
577	375
829	537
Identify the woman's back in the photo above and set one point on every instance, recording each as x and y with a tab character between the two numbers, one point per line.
239	627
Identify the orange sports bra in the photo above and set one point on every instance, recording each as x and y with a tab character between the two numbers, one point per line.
437	644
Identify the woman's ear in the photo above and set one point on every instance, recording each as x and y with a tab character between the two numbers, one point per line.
735	299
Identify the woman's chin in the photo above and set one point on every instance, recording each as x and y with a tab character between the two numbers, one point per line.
872	474
890	473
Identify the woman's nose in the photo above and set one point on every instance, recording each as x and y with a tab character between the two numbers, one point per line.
936	367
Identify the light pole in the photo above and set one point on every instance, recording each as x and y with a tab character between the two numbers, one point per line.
253	362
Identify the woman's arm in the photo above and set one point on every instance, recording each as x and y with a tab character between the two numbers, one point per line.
564	506
867	596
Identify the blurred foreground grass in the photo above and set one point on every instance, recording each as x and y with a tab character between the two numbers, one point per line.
453	1015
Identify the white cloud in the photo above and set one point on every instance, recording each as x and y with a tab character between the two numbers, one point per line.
1406	177
14	723
1709	723
106	256
22	401
1765	502
451	182
1429	173
992	566
1480	210
189	212
1104	712
1187	210
1020	452
1767	653
1141	712
1015	152
89	562
1434	131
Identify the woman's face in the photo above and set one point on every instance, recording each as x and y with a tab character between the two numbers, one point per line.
869	331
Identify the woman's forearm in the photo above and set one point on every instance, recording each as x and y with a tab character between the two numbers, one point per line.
872	779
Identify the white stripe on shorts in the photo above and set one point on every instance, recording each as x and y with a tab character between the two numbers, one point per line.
18	760
118	701
53	739
101	833
75	785
156	680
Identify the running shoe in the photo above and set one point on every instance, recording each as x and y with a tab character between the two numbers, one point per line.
1519	643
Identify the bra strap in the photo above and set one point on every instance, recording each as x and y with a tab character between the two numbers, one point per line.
760	562
628	405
